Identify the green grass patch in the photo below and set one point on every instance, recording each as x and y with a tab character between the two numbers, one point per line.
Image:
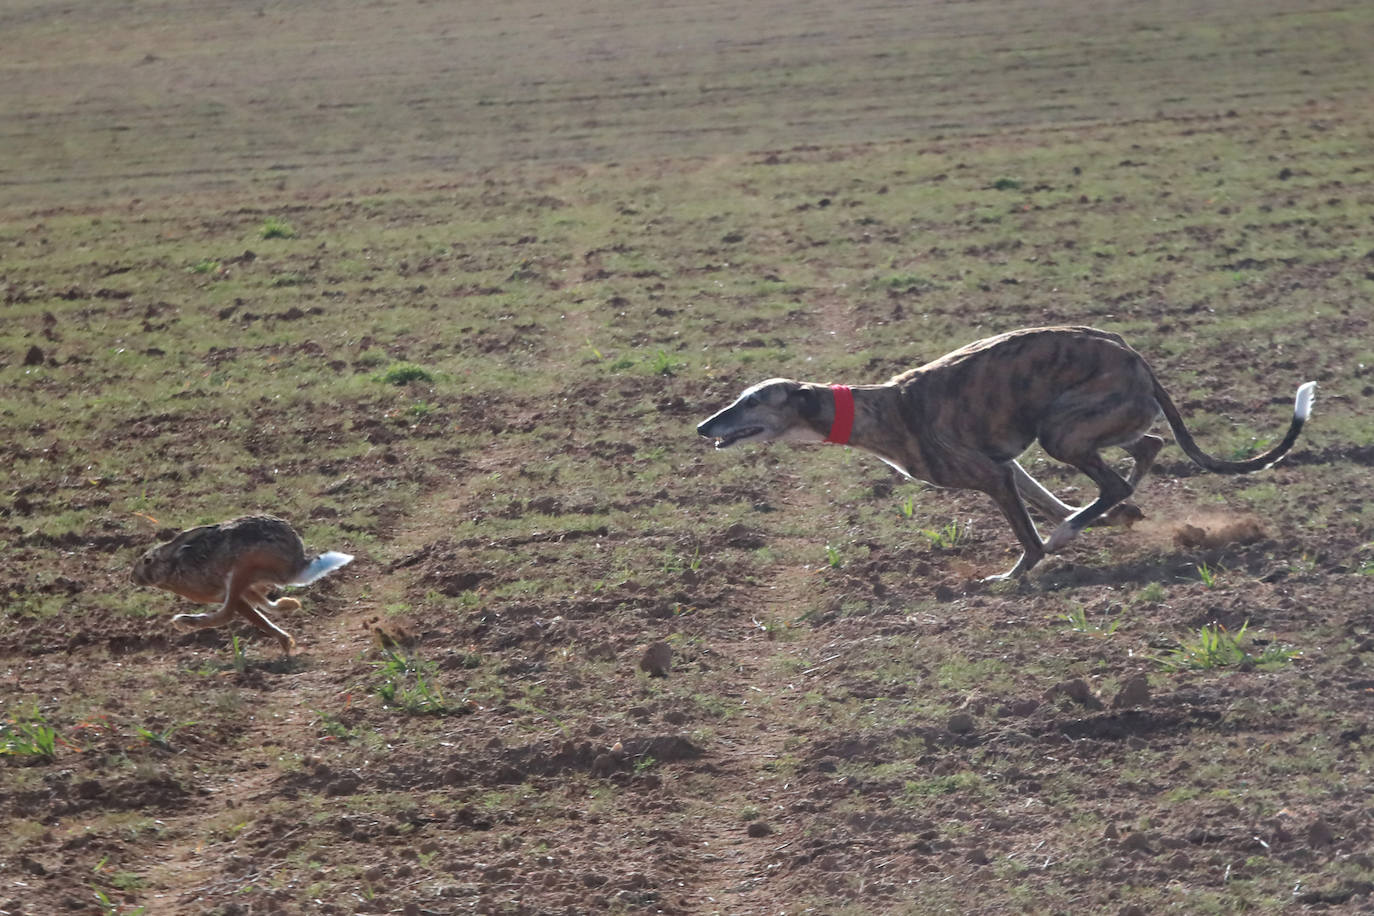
1217	647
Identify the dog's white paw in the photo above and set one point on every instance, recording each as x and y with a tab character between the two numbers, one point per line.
186	621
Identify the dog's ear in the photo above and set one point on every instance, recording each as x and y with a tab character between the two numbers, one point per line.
808	404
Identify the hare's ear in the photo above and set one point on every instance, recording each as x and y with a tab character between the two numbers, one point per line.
181	541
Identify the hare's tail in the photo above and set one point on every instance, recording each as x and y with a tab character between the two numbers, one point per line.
322	565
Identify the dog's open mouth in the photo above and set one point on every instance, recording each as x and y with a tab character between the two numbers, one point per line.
731	438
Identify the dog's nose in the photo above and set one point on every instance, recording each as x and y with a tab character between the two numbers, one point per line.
707	428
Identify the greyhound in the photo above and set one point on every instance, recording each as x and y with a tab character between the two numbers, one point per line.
962	420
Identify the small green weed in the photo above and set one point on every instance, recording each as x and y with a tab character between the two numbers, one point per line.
941	785
1153	593
675	562
1007	184
238	654
909	506
1078	621
1249	449
273	228
1217	647
204	267
832	556
404	374
408	684
110	908
663	364
904	282
161	739
421	409
773	627
332	728
950	535
1207	575
30	736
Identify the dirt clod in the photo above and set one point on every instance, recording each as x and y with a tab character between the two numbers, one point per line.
1140	841
961	723
1135	692
1320	834
656	659
1077	690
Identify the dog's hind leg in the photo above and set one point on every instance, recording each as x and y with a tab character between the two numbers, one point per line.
1112	489
1034	493
1143	452
1080	424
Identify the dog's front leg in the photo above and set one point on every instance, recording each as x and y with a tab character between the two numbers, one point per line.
1001	486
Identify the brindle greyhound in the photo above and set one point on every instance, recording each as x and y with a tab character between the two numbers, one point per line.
962	420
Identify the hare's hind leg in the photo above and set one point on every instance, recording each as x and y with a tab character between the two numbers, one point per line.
257	596
263	625
255	600
206	621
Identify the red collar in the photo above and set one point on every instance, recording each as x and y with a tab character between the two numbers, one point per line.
843	424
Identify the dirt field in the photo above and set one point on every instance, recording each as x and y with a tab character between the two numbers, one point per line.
450	291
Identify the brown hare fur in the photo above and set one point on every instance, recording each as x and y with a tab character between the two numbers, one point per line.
235	564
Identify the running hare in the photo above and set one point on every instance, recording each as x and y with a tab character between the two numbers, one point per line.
235	562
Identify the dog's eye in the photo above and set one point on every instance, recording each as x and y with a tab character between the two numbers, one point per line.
751	401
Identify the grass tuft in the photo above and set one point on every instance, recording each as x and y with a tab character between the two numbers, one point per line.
408	683
1217	647
273	228
950	535
404	374
32	737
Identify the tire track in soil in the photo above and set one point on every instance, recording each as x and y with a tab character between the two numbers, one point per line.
289	705
736	867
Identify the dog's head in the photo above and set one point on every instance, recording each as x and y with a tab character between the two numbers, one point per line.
776	410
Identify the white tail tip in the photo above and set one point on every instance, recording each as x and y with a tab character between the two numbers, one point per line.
1302	406
322	565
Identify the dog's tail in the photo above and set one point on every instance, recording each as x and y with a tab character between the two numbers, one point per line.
322	565
1302	409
